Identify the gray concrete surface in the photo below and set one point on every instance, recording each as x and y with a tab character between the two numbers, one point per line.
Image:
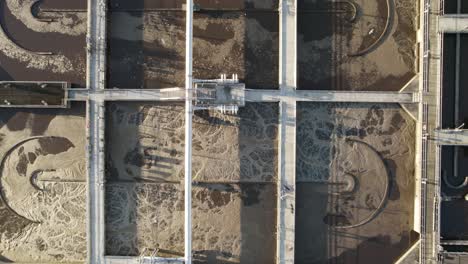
244	207
453	23
95	81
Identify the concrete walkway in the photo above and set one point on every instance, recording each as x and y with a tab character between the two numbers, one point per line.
453	23
96	77
178	94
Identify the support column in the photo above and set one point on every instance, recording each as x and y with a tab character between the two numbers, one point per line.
287	134
95	81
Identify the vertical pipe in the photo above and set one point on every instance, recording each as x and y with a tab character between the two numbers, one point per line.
188	133
457	94
457	72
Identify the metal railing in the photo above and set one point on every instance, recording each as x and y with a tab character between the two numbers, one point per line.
426	46
424	151
424	133
437	179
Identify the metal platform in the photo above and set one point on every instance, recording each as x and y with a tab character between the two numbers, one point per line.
34	94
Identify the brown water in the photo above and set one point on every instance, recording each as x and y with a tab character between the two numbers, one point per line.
147	46
234	192
72	47
375	51
45	147
454	218
381	156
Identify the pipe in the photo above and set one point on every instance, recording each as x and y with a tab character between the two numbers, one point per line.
188	133
457	98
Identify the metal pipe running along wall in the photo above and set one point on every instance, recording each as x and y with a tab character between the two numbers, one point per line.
188	133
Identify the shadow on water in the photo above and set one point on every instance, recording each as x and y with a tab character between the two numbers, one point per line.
136	58
5	260
259	124
4	75
137	180
253	55
256	221
451	7
255	190
37	120
258	199
380	248
126	58
454	213
138	61
454	220
448	82
454	170
320	130
147	5
261	58
312	240
120	195
342	61
307	32
454	112
144	195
